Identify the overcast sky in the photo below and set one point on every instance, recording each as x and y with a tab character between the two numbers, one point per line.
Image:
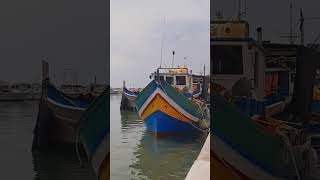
137	31
73	34
273	16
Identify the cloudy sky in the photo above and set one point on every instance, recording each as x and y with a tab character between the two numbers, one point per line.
73	34
137	31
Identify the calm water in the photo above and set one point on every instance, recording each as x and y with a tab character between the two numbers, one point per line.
135	154
17	120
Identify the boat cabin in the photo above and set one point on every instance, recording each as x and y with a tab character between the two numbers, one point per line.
178	77
236	59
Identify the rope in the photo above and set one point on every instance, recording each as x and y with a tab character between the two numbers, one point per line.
77	150
294	161
201	130
289	147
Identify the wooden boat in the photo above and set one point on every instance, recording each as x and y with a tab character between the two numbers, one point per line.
243	149
128	99
58	115
94	132
165	110
246	142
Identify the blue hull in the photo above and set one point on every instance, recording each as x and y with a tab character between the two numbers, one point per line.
158	122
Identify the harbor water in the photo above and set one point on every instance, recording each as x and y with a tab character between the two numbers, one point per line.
17	120
136	154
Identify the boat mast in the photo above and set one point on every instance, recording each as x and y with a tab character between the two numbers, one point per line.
239	9
163	35
291	28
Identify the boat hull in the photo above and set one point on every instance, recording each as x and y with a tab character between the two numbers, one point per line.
105	168
164	110
230	163
65	120
94	131
159	122
127	102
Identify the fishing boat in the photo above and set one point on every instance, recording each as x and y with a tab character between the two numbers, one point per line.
94	133
247	140
58	115
128	98
248	150
165	105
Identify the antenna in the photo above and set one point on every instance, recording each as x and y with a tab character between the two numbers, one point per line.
291	28
245	8
163	35
239	9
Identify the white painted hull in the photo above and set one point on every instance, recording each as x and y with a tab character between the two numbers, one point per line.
237	161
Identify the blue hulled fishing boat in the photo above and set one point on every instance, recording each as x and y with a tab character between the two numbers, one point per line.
166	109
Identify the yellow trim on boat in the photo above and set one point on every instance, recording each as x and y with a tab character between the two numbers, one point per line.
159	104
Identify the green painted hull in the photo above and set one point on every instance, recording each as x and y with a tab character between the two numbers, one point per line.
95	124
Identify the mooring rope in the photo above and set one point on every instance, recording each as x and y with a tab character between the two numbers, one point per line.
77	150
201	130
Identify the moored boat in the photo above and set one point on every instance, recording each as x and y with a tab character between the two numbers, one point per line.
58	115
251	138
166	110
128	99
248	150
94	132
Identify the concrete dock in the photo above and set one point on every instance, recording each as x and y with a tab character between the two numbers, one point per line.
201	166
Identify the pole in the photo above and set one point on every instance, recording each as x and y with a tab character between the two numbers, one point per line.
291	28
301	27
172	58
164	25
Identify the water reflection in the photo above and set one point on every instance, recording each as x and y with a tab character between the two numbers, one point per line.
17	120
165	158
136	154
129	121
61	164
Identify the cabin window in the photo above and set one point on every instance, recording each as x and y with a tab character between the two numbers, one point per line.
161	78
226	59
181	80
169	79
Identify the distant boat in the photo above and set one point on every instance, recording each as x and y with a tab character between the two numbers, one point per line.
166	110
94	132
128	98
115	90
19	91
58	115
